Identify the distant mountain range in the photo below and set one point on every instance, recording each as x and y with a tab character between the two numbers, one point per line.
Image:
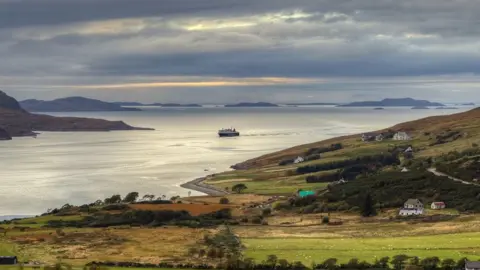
156	104
249	104
394	102
71	104
311	104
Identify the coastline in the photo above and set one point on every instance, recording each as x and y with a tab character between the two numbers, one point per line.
199	185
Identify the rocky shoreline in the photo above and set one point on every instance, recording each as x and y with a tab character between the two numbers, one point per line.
199	185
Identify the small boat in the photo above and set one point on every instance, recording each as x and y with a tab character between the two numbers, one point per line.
228	132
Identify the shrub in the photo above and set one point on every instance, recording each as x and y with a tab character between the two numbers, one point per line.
266	212
257	220
224	201
325	220
112	207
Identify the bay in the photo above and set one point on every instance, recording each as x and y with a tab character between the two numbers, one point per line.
65	167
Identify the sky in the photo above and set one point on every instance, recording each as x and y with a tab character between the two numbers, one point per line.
224	51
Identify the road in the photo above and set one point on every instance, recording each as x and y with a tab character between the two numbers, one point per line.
199	185
437	173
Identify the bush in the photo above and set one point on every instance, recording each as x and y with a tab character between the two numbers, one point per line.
266	212
325	220
257	220
224	201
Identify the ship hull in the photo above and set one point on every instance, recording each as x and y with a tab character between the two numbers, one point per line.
230	134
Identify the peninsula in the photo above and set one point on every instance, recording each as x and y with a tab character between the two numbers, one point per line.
71	104
394	102
16	122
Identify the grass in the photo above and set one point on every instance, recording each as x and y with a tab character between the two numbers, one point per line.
311	250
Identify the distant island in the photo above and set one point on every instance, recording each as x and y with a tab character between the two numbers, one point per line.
420	108
157	104
446	108
311	104
71	104
394	102
468	104
248	104
175	105
16	122
379	108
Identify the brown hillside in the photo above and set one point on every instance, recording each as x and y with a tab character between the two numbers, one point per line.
468	122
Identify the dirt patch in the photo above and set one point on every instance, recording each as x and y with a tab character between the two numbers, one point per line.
193	209
235	199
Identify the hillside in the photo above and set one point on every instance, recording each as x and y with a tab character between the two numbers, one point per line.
275	173
392	102
71	104
17	122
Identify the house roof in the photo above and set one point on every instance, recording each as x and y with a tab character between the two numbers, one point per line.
412	201
439	203
305	193
472	264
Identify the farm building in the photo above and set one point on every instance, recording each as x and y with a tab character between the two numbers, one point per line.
367	137
379	137
412	207
405	169
438	205
8	260
472	265
401	136
299	160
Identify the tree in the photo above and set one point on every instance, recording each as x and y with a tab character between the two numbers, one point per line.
368	209
282	264
272	260
148	197
330	263
131	197
448	264
461	263
238	188
224	201
430	263
398	261
414	261
114	199
383	262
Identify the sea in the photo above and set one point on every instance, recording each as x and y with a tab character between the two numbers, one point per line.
80	167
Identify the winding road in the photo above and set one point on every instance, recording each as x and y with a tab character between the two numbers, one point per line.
437	173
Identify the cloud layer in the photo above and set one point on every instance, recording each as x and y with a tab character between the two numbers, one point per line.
53	48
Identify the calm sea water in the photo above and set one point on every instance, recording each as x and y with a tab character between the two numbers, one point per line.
59	168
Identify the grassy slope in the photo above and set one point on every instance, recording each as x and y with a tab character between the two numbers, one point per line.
264	176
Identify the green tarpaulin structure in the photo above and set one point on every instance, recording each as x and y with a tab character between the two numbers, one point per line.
305	193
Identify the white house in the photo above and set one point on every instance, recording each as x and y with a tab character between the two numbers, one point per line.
409	150
413	204
438	205
401	136
410	212
299	160
405	169
379	137
412	207
472	265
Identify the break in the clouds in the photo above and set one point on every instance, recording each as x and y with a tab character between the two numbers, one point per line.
230	50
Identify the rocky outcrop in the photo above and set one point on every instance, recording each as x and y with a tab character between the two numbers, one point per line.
7	102
16	122
4	135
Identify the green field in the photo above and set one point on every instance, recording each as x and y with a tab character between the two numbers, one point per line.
308	250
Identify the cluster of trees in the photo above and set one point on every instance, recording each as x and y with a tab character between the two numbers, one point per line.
372	160
149	218
397	262
348	173
133	197
392	189
447	136
464	165
230	262
321	150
